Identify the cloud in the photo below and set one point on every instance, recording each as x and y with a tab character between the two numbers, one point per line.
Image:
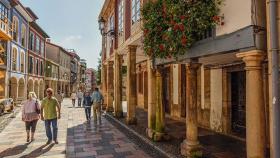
72	38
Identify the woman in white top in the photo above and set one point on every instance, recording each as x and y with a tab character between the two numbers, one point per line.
31	115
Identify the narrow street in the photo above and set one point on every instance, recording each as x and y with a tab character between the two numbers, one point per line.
76	139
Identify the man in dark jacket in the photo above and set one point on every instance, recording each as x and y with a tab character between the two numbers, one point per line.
87	105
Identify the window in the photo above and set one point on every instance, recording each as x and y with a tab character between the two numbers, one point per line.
30	64
42	47
37	67
135	11
16	29
23	35
112	22
22	62
3	16
31	41
42	68
120	11
14	60
37	49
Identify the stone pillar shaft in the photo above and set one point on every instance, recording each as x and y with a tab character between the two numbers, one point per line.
118	112
255	109
151	99
110	86
104	82
191	143
131	91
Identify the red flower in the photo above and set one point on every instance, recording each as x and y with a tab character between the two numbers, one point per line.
216	18
161	47
182	17
146	31
182	27
184	40
169	56
172	22
176	27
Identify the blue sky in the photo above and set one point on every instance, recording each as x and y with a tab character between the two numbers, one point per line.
71	24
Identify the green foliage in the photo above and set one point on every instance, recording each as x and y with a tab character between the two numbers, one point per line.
196	154
172	26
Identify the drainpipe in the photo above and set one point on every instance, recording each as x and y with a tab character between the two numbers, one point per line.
275	78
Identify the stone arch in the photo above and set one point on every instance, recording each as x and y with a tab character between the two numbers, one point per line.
41	89
21	88
13	88
30	85
36	88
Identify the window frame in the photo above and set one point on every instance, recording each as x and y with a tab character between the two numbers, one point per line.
121	17
14	59
23	36
22	61
135	11
15	28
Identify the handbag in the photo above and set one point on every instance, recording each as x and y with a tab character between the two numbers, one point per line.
37	109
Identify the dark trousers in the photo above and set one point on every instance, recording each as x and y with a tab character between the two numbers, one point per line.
79	102
73	102
88	112
51	133
31	125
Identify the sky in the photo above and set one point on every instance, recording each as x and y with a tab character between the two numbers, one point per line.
72	24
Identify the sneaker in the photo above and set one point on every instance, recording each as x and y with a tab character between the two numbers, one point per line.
48	142
56	142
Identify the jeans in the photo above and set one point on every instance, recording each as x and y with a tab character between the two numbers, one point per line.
79	102
51	134
88	112
97	111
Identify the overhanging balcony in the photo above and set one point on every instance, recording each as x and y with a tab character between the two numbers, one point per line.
5	29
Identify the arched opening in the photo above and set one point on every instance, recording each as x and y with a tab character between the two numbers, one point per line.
36	88
13	88
30	86
41	90
21	88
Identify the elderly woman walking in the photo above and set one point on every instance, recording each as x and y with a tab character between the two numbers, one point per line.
31	115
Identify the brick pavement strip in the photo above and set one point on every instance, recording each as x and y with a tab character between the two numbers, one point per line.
77	139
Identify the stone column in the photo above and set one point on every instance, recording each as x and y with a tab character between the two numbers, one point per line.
110	86
104	82
151	100
160	112
118	112
191	143
255	109
131	90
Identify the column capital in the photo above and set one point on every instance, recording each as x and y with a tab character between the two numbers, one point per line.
252	59
110	63
193	66
132	48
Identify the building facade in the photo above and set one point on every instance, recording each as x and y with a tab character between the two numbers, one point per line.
83	68
64	72
74	69
90	81
36	58
212	86
17	66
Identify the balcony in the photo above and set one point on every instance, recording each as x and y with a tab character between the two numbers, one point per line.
5	29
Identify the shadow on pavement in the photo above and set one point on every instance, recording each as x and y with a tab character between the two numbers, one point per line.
39	151
14	150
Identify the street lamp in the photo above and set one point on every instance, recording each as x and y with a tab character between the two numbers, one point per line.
101	22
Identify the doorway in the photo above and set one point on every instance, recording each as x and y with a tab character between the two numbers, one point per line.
238	103
166	89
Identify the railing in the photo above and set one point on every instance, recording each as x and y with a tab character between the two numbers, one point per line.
6	29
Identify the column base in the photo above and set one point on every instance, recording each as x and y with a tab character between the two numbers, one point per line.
118	114
157	136
150	133
131	121
189	148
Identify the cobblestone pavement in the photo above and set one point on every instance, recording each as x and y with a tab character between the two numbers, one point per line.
6	118
76	137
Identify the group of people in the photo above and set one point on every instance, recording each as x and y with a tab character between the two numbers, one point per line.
94	100
49	111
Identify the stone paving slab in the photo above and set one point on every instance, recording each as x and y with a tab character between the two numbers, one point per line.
77	139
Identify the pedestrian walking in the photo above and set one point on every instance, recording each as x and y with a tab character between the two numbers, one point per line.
59	98
30	115
87	105
50	113
73	97
80	96
97	100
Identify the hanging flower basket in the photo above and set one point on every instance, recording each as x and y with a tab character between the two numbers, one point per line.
172	26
